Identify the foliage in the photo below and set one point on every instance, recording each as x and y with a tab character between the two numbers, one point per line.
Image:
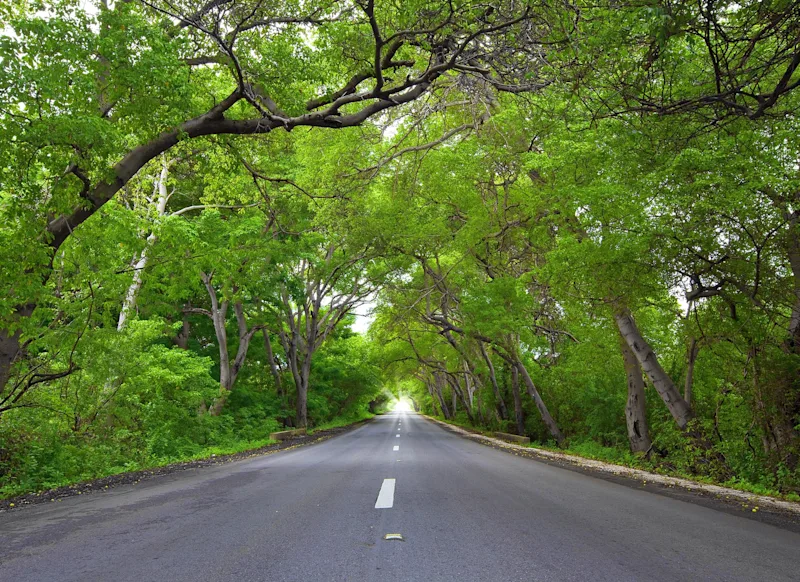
194	200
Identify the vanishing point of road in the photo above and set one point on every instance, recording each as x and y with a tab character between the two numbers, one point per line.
465	512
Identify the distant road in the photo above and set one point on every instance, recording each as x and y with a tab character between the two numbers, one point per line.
465	511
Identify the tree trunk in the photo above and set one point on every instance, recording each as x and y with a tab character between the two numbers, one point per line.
459	393
273	366
10	348
302	394
518	413
228	371
501	405
548	420
677	406
437	383
431	392
691	358
635	409
129	303
182	339
9	352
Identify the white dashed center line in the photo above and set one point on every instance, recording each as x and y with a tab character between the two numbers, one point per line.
397	435
396	448
386	495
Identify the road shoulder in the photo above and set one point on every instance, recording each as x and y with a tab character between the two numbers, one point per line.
783	514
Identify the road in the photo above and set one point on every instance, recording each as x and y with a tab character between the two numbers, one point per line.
465	511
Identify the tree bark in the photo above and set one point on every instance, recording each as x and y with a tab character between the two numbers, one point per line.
182	339
273	366
11	349
9	352
501	405
302	394
635	409
459	393
437	383
228	371
139	265
691	358
548	420
518	413
677	406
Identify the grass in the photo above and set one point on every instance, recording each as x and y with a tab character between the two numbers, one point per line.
16	489
344	421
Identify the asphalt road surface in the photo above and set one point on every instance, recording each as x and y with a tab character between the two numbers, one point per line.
465	512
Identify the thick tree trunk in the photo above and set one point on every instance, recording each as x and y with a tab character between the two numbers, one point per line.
691	358
9	352
228	371
669	393
635	409
519	416
11	349
500	403
438	385
273	367
182	339
792	344
302	394
548	420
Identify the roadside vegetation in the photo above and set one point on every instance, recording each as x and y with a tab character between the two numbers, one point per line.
574	221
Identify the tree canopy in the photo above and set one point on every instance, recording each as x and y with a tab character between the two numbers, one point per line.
576	221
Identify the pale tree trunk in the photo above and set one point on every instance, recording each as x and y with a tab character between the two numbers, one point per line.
635	409
273	366
469	385
139	265
518	413
438	386
228	371
501	405
691	358
429	387
669	393
459	393
548	420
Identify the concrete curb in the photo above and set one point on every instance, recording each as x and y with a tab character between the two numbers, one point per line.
757	501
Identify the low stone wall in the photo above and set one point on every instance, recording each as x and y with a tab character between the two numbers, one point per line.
513	438
287	434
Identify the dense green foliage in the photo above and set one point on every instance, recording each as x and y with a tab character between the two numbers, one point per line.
579	221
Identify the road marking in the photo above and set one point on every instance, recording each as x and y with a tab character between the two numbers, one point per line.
397	435
386	495
396	448
398	537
